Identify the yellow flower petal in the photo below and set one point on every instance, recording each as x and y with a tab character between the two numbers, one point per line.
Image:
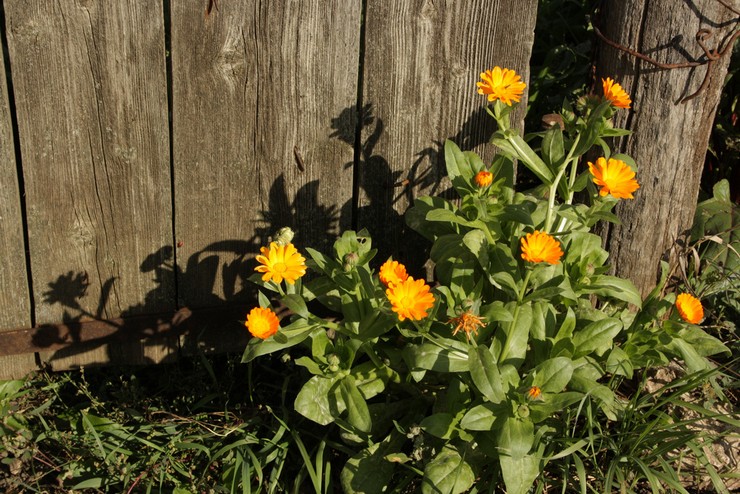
262	322
281	262
541	247
501	84
483	178
615	177
690	309
615	94
392	273
410	299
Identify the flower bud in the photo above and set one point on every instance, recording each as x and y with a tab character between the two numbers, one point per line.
284	236
523	411
350	261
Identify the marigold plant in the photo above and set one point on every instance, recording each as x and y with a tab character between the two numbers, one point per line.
484	375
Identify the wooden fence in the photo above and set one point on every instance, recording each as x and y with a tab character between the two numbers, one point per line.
148	148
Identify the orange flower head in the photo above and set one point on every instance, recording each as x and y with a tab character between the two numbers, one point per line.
281	262
541	247
392	273
615	94
501	84
467	322
410	299
262	322
689	308
615	177
534	392
483	178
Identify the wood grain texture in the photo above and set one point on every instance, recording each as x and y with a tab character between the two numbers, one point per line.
262	94
14	297
669	140
422	60
91	99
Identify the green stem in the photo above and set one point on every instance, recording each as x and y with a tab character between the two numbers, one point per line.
554	186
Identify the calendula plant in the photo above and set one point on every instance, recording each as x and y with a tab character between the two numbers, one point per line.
468	382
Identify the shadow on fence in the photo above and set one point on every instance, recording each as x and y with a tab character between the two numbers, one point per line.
213	291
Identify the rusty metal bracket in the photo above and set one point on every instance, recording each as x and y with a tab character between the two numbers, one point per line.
712	55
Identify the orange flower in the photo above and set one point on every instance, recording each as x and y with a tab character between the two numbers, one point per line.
410	299
541	247
614	93
392	273
468	323
689	308
534	392
483	178
501	84
615	177
262	323
281	262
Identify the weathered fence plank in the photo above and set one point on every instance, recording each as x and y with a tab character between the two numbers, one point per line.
422	60
260	91
91	100
669	140
14	296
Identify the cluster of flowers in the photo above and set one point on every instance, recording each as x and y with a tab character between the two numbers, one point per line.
411	298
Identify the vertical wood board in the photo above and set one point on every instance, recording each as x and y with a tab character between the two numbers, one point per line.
669	138
91	99
422	60
14	297
262	91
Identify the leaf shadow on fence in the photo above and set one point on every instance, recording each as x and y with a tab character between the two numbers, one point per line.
212	287
216	276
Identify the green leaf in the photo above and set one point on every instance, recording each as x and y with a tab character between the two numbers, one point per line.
704	344
614	287
432	357
319	400
417	214
513	144
619	363
358	413
375	323
485	374
296	303
481	417
292	334
447	473
368	472
553	375
511	342
371	380
549	405
594	126
516	437
519	473
553	149
93	483
495	311
441	425
597	337
457	164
